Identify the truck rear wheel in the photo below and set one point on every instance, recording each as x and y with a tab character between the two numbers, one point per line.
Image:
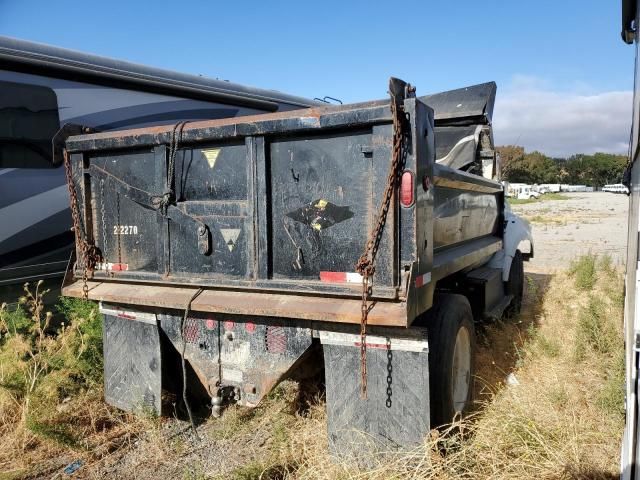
515	285
451	358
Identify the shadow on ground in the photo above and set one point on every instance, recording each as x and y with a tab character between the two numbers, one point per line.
499	344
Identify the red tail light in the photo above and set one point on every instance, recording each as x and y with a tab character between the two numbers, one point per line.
406	189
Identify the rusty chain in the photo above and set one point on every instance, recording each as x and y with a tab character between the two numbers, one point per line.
89	253
163	201
366	262
104	227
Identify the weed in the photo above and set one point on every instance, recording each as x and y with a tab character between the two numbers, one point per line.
611	396
524	201
548	346
605	265
260	471
47	366
554	196
546	220
594	329
558	396
13	322
584	272
193	472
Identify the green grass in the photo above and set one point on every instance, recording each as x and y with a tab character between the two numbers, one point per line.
558	396
611	396
13	321
546	220
605	265
554	196
548	346
260	471
518	201
47	362
583	270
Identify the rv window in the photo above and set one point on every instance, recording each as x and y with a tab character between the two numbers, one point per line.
28	121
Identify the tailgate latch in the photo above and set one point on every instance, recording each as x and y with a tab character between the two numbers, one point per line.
204	240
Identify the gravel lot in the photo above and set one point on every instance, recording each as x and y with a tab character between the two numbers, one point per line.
583	222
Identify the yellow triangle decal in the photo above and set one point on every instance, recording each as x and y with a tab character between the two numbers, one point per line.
211	154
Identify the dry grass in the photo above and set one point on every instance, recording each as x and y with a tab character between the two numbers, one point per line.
563	419
51	408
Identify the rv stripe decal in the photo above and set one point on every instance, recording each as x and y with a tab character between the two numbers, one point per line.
23	214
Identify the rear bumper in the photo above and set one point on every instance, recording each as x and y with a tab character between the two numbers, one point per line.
301	307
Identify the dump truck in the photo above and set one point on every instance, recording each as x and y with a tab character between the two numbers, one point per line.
364	240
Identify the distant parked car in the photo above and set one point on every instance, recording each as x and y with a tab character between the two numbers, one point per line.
616	188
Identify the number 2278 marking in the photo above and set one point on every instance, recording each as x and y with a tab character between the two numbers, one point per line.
125	229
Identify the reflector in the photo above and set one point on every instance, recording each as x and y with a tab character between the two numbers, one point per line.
406	189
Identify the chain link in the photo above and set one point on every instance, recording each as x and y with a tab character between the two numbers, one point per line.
366	262
90	255
389	373
104	225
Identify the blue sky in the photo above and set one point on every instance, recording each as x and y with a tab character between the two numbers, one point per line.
564	50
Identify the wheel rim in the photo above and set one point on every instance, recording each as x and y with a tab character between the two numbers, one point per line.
461	370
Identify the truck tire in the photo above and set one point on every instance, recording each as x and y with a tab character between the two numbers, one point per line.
451	358
515	285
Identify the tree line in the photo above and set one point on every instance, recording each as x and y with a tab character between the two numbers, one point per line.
534	167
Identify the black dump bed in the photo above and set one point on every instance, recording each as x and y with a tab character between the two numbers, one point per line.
270	213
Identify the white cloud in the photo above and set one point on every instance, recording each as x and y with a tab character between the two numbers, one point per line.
531	113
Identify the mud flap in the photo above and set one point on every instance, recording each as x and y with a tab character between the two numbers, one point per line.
132	360
395	414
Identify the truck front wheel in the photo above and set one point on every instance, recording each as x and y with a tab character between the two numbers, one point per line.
451	357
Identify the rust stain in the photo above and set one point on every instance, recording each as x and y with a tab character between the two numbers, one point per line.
314	112
303	307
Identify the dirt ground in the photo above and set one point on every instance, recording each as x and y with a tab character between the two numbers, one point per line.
585	222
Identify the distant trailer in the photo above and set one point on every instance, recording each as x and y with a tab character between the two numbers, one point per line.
576	188
551	187
44	88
